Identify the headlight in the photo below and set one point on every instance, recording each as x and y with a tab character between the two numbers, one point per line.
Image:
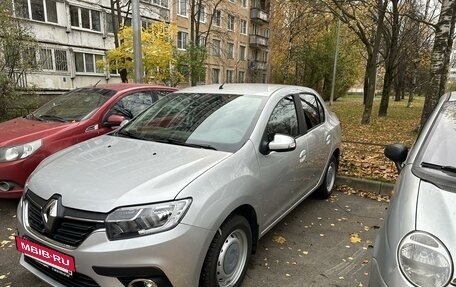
20	151
136	221
424	260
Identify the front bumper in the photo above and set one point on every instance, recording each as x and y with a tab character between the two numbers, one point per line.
177	255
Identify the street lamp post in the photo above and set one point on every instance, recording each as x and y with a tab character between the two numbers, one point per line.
137	51
336	53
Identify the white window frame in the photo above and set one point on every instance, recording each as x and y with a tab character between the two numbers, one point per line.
216	49
182	42
229	77
94	59
218	18
230	50
53	59
243	27
242	54
230	19
90	19
244	3
241	79
202	14
182	11
29	11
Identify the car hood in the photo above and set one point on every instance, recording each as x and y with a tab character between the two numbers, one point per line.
21	130
436	212
107	172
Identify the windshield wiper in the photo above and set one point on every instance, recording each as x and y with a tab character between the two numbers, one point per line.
33	117
446	168
176	142
52	118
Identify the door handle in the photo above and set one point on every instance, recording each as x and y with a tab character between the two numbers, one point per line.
302	156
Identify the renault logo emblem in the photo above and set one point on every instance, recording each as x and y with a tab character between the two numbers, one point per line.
49	214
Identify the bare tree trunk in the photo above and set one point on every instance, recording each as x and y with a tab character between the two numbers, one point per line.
372	63
440	57
390	67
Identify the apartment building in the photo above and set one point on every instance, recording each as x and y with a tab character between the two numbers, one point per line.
74	34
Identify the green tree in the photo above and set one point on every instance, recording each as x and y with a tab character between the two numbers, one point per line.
17	56
159	54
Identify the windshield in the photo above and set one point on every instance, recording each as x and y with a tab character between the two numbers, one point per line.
215	121
436	160
76	105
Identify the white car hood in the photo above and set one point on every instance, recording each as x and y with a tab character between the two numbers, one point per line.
107	172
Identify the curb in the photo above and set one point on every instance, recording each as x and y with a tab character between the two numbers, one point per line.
378	187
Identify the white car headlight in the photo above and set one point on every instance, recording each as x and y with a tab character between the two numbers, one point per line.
424	260
13	153
127	222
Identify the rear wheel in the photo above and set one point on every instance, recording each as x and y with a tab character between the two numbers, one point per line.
326	187
228	255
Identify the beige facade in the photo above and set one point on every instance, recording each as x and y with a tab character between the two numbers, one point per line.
74	34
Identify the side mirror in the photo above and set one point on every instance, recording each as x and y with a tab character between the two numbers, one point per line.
397	153
282	143
115	120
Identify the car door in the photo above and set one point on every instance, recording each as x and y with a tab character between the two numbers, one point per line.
281	172
318	137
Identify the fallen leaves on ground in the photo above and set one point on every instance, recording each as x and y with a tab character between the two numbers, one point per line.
355	238
371	195
279	239
362	147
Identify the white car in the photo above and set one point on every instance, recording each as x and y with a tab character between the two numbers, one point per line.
180	195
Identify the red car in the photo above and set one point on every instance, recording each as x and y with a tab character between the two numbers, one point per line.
73	117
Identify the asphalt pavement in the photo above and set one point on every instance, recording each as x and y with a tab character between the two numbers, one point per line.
321	243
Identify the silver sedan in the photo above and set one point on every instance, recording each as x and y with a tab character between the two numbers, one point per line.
416	245
180	195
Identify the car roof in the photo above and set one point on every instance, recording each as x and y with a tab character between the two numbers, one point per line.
242	89
129	86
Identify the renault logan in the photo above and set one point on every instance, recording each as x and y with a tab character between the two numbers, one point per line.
71	118
180	195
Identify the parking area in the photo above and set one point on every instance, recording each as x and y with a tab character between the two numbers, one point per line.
321	243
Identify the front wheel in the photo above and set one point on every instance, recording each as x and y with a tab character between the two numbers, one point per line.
228	255
326	187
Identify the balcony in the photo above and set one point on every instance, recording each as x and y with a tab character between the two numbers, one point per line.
258	15
258	41
257	65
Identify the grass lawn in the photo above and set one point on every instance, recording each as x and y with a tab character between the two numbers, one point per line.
362	154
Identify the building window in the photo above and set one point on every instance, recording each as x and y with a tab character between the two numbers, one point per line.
182	8
39	10
86	63
216	47
244	3
215	76
202	14
181	40
218	18
201	41
230	51
85	18
45	61
162	3
230	23
243	27
265	57
61	62
53	59
242	54
229	76
241	77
